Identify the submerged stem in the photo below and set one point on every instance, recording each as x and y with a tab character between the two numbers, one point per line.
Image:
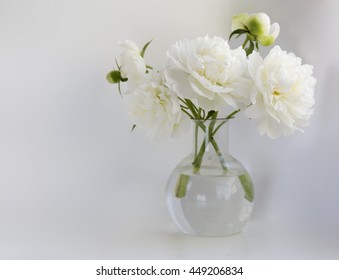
209	138
180	189
196	141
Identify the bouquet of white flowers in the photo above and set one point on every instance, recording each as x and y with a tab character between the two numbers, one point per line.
203	78
204	75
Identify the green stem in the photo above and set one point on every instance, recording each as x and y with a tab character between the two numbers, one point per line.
198	159
184	179
208	139
196	141
247	186
245	42
180	188
230	116
188	114
211	132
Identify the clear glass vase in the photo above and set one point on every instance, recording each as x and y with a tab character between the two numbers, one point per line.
210	193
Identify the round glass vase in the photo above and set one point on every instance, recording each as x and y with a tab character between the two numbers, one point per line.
210	193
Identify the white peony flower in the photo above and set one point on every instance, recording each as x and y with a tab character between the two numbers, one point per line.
132	64
259	25
207	70
283	95
155	108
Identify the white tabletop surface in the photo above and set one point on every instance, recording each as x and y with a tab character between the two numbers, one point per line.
126	225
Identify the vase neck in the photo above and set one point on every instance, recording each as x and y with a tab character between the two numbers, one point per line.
211	136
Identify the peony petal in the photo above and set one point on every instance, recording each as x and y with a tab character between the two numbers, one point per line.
242	91
230	100
266	40
254	63
275	30
129	45
200	89
178	81
258	111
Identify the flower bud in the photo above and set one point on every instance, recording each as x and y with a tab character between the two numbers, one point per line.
258	25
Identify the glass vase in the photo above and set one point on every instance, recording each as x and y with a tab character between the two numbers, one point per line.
210	193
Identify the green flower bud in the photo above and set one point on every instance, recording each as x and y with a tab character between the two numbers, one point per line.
114	77
258	26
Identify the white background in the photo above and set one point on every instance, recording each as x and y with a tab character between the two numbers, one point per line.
76	184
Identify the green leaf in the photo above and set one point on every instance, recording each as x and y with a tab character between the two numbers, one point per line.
237	32
231	116
114	77
247	185
191	106
250	49
119	89
181	187
256	45
245	42
142	53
